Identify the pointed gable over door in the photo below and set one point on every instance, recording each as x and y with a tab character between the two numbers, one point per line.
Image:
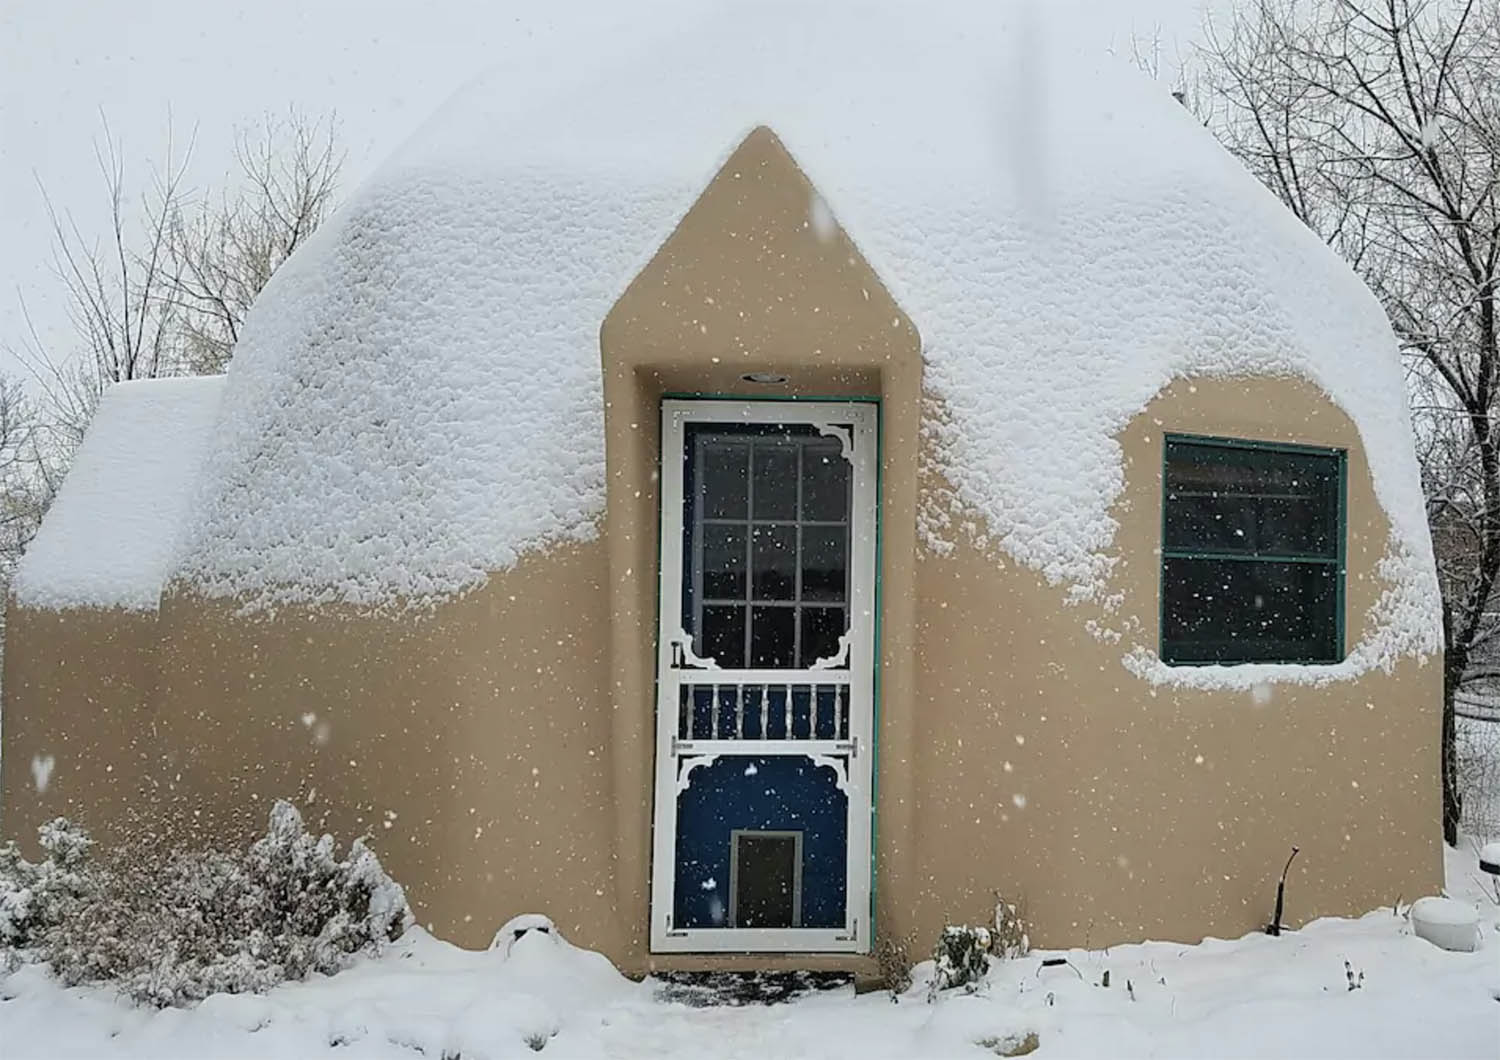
759	276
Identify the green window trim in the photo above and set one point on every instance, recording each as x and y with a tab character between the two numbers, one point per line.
1210	450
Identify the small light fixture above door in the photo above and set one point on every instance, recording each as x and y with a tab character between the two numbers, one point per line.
764	378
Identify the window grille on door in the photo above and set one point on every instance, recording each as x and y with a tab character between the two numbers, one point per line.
767	536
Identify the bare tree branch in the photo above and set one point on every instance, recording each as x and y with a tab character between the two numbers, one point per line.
1378	123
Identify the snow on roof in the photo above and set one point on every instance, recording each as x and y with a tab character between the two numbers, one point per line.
416	400
111	537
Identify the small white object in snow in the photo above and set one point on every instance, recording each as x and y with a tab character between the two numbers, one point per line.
41	771
1489	859
518	927
1446	923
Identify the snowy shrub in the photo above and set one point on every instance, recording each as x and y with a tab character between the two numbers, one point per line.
961	958
172	930
893	956
32	897
1010	937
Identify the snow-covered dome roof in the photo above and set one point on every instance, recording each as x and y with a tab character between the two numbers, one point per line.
416	400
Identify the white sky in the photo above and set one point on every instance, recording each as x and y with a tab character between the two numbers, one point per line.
205	67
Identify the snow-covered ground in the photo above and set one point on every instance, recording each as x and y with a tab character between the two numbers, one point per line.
1255	996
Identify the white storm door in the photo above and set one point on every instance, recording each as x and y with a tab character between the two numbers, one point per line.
765	677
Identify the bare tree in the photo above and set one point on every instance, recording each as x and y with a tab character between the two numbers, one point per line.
164	292
224	252
1378	124
26	482
116	291
25	492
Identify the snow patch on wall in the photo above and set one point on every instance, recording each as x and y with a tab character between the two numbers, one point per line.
111	538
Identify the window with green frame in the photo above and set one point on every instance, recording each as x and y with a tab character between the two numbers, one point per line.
1252	552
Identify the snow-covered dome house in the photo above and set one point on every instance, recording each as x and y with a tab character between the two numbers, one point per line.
754	482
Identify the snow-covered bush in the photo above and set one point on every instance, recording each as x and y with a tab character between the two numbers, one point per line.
893	957
961	958
175	929
1011	936
32	897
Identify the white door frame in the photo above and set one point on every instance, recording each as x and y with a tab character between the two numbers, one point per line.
855	424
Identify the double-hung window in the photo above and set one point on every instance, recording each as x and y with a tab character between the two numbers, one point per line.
1252	552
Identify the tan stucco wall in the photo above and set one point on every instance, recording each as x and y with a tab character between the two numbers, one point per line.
1156	811
510	732
79	691
471	742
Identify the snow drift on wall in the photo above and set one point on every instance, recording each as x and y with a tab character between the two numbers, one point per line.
416	399
111	537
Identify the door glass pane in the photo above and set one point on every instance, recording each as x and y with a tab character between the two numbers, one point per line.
821	629
774	552
773	637
775	481
723	638
723	562
825	481
766	522
723	479
825	562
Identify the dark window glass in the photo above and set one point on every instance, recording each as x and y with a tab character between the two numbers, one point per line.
765	522
825	483
1217	610
821	629
825	562
724	479
723	635
775	562
773	637
1259	501
1251	554
723	562
775	481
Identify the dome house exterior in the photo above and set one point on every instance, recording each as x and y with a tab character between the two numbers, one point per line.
755	484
